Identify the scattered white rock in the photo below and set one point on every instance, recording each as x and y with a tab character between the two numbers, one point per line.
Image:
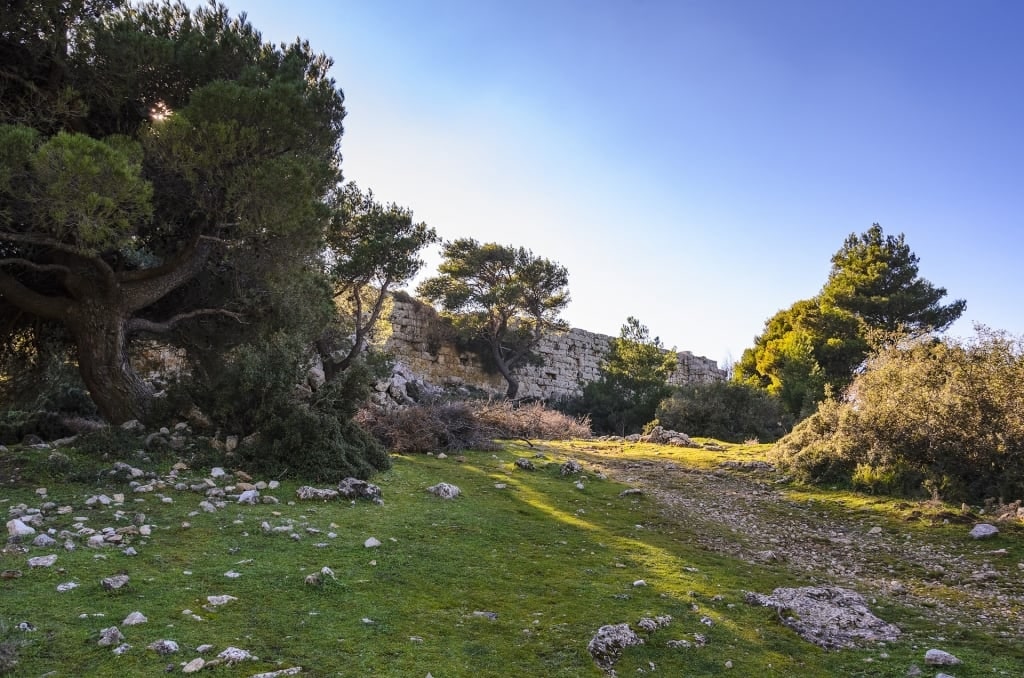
607	644
163	647
204	648
44	541
444	490
116	582
371	543
639	582
67	586
828	616
652	624
249	497
217	601
121	649
134	618
571	468
984	530
875	530
110	636
940	658
294	671
194	666
217	472
233	655
17	528
231	574
43	561
307	492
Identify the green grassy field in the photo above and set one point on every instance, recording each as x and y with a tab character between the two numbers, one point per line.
547	562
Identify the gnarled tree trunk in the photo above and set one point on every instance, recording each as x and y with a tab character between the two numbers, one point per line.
101	336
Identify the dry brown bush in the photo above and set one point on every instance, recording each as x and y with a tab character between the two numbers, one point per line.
461	426
531	421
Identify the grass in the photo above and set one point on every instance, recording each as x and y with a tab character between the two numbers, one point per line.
551	562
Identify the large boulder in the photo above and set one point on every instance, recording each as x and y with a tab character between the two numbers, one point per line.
828	616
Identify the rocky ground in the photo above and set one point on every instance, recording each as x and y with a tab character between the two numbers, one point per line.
747	512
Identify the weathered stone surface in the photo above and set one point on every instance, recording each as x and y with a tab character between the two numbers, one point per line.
424	364
607	644
42	561
571	468
17	528
525	464
940	658
354	488
307	492
829	616
110	636
444	490
984	530
114	583
134	618
163	647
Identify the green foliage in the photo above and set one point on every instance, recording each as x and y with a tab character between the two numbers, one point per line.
633	380
163	169
371	248
817	344
943	415
505	296
725	410
875	277
313	437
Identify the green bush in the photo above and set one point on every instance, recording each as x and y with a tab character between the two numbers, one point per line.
944	417
725	410
311	435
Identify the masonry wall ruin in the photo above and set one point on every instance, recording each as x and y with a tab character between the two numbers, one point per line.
569	358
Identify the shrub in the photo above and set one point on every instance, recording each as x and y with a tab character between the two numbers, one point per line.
530	421
943	416
725	410
429	428
311	435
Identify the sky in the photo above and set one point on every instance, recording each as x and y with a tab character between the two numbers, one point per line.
692	163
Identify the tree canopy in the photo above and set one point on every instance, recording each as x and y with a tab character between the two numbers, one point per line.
875	277
505	296
160	166
371	249
633	380
817	344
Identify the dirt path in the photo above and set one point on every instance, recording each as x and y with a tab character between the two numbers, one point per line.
748	515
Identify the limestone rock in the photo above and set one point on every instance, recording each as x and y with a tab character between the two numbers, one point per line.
444	490
42	561
134	618
940	658
571	468
194	666
607	644
116	582
44	541
17	528
525	464
984	530
110	636
652	624
371	543
828	616
163	647
354	488
307	492
249	497
233	655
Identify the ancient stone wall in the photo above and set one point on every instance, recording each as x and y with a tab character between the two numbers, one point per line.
418	341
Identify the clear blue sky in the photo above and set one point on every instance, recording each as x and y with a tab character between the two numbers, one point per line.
692	163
